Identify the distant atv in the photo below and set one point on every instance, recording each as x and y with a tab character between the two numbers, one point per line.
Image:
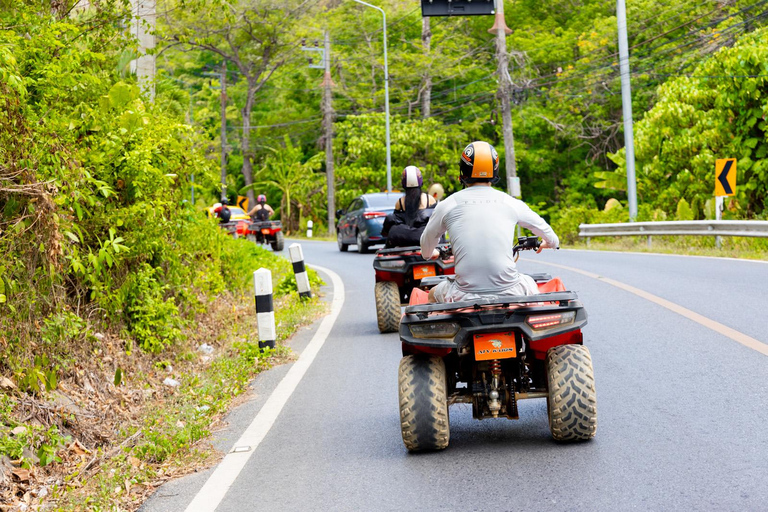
492	353
265	232
398	271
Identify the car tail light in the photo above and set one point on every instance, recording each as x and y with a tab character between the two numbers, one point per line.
373	215
538	322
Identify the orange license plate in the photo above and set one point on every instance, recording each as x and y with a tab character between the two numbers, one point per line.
422	271
265	231
498	345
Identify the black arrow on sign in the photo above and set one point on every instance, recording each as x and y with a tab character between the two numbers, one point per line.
723	178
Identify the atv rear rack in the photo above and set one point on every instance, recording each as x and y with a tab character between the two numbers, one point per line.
562	298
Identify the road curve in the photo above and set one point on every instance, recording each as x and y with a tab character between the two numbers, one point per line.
682	409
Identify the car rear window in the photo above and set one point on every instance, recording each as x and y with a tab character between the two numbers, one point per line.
236	211
383	202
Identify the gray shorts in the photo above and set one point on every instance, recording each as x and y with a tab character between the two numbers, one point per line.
448	291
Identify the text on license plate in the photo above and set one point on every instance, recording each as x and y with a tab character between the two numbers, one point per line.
422	271
497	345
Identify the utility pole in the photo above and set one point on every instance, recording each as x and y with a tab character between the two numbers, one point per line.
426	40
224	129
505	86
144	21
328	128
626	108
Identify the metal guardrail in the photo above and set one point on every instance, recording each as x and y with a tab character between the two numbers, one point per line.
718	228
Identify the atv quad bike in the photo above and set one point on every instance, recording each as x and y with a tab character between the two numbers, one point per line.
492	353
266	232
398	271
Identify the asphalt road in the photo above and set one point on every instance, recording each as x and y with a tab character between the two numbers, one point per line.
682	410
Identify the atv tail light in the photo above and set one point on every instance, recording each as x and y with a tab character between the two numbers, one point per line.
265	231
242	228
392	263
436	330
548	321
373	215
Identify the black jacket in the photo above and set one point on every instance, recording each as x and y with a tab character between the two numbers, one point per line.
401	233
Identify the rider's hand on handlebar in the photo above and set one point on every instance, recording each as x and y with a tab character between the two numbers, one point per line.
544	245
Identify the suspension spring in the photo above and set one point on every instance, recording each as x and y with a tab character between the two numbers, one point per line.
495	366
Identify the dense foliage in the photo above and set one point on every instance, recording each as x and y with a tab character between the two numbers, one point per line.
566	95
94	226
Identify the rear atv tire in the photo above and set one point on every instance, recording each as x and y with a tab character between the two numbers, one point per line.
572	402
279	242
424	418
387	306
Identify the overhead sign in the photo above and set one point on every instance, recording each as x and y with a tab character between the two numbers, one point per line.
457	7
725	177
242	203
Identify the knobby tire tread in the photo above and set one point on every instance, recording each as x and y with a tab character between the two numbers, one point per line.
387	306
424	420
572	401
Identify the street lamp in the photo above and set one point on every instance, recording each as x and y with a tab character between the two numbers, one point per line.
386	92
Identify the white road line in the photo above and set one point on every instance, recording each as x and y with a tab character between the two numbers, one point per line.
733	334
217	485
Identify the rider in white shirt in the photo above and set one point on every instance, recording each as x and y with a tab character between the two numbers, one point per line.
481	224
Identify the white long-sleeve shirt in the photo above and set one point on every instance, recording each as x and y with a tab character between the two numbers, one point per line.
481	224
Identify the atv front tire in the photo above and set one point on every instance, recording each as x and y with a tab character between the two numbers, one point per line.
423	403
572	402
279	242
387	306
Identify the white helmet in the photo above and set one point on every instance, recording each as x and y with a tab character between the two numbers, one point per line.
411	177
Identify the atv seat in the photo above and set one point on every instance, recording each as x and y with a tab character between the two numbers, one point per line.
431	282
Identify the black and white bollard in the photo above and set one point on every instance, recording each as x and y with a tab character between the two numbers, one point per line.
300	271
310	225
265	309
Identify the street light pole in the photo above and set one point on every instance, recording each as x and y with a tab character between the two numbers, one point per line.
386	93
626	107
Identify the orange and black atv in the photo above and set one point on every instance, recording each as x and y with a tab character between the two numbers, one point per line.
398	271
492	353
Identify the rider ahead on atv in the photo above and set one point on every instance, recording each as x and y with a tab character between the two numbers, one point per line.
404	226
481	222
262	211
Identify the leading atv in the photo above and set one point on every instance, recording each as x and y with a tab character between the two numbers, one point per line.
398	271
492	353
266	232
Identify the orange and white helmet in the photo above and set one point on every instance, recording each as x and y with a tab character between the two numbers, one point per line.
479	162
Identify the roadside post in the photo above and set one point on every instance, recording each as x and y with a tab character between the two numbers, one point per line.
310	224
725	185
300	271
265	309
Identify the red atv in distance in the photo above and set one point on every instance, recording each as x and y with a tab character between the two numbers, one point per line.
264	232
492	353
398	272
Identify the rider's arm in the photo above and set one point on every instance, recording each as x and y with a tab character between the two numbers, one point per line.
529	219
435	229
269	209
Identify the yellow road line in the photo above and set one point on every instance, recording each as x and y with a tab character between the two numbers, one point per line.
733	334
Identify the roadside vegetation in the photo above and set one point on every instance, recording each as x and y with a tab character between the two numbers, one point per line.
126	315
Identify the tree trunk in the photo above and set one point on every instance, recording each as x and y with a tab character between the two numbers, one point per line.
426	96
245	144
